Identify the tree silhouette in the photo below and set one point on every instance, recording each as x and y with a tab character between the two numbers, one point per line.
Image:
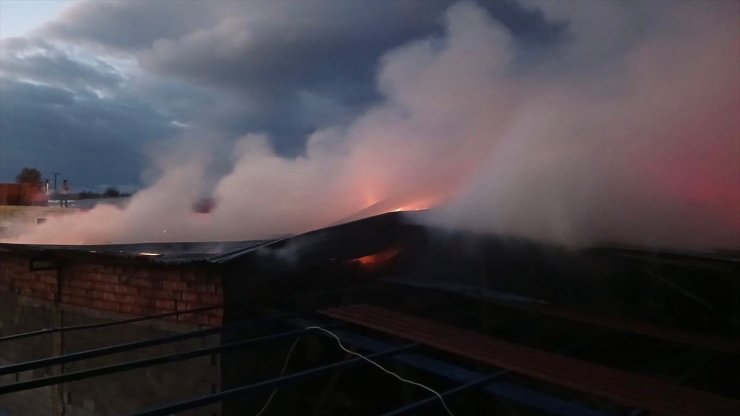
29	175
111	192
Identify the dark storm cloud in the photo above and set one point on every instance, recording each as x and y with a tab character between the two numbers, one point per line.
108	78
276	54
67	113
64	109
128	25
90	140
41	62
617	126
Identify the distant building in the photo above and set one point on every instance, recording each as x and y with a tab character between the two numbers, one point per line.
21	194
24	206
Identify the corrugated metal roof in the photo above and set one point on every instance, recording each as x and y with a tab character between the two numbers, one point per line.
169	253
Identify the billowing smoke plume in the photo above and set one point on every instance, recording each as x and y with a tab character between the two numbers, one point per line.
631	134
628	131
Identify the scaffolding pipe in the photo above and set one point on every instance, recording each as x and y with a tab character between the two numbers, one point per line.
105	324
268	384
82	355
455	390
131	365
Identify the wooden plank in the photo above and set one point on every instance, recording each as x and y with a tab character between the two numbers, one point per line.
620	386
641	328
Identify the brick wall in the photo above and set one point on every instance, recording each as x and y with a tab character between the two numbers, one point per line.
19	193
14	319
95	289
134	287
114	394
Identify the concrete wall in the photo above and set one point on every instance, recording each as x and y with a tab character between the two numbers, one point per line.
92	291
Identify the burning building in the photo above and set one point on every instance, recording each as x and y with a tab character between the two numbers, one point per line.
486	324
616	122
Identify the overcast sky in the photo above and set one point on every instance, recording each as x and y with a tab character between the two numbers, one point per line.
573	121
88	89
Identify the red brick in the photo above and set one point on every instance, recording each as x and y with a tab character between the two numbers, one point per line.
109	278
24	283
197	319
127	298
43	294
86	267
74	300
105	287
96	294
189	296
76	291
141	273
48	279
205	288
144	301
136	281
99	277
165	304
174	285
168	275
94	276
145	292
202	319
110	296
189	276
183	306
23	276
107	268
106	305
125	289
43	287
162	294
82	284
210	299
132	309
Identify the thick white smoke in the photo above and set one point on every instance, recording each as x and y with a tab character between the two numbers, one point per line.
626	132
630	135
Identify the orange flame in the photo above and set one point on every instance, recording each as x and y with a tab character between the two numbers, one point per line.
418	205
379	258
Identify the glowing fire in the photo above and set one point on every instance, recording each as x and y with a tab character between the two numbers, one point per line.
418	205
410	208
379	258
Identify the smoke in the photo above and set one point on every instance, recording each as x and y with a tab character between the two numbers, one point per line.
626	132
630	135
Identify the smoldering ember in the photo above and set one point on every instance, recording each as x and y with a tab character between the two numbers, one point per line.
418	207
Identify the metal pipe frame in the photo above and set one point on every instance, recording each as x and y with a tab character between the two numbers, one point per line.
81	355
130	365
497	388
105	324
455	390
267	384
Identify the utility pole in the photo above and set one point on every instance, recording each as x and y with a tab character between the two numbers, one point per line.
55	180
